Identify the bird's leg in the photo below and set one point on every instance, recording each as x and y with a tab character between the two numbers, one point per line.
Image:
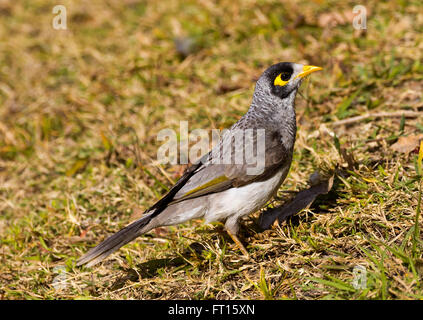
238	243
232	227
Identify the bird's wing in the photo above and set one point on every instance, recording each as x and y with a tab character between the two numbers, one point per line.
215	176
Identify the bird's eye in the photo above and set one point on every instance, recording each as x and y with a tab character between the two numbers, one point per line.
285	76
282	79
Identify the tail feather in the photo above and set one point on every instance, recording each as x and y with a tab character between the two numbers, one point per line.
114	242
135	229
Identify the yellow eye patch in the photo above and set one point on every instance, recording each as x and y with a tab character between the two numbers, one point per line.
279	82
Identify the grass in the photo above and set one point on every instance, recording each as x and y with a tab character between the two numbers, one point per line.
80	110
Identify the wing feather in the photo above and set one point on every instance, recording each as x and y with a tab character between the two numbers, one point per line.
216	177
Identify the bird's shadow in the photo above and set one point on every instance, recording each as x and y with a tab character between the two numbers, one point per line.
322	204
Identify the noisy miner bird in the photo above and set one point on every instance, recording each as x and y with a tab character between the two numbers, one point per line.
223	190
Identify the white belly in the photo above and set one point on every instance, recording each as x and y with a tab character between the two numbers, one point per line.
243	200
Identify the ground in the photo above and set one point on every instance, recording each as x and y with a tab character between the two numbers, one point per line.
80	110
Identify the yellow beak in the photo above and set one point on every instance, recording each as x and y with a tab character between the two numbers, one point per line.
307	70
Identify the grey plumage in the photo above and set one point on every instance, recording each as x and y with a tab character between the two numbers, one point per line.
215	190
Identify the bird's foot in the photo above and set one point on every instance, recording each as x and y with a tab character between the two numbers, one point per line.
239	244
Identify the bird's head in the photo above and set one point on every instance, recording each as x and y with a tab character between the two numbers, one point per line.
285	77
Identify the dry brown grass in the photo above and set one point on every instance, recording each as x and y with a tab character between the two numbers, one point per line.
78	106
